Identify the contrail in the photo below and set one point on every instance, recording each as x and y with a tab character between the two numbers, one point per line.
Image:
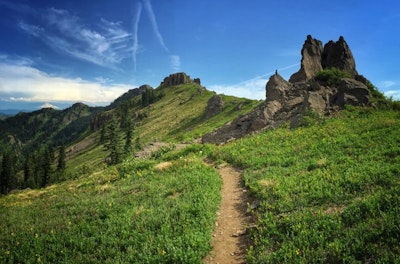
135	32
152	17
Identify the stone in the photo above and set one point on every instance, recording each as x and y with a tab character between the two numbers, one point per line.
276	87
310	62
352	92
338	54
214	106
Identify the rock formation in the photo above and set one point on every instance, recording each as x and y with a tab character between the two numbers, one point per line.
288	102
338	55
178	79
310	62
315	58
214	106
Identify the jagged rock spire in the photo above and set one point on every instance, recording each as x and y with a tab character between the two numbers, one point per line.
310	62
315	58
338	54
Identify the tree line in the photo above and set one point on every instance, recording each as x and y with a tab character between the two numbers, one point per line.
34	170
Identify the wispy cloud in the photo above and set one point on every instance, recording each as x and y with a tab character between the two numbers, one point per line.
175	60
387	84
149	10
136	19
21	81
105	44
33	30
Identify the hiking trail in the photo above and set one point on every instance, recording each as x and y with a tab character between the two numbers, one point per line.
230	239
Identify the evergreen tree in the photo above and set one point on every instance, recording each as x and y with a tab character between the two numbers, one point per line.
47	161
148	97
61	159
103	134
7	176
128	135
29	173
113	144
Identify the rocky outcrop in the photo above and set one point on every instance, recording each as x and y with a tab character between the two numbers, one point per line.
288	102
214	106
315	58
338	55
178	79
310	62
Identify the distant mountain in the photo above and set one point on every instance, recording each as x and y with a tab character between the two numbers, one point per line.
47	126
11	112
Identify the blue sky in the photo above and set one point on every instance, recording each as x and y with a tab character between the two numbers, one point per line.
61	52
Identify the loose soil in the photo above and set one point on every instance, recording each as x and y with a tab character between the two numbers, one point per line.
230	239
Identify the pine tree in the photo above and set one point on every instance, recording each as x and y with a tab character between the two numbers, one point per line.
7	173
103	134
113	144
61	159
47	161
128	135
29	174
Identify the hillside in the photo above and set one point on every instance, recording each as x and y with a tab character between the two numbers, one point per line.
139	182
327	191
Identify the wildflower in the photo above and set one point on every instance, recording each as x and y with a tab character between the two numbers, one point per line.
36	235
297	251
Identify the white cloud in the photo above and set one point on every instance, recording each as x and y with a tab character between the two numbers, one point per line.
21	82
175	62
33	30
395	94
105	44
387	84
252	89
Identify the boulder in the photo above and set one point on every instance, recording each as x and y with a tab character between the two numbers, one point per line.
214	106
352	92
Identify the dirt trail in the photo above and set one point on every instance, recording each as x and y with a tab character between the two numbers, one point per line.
229	237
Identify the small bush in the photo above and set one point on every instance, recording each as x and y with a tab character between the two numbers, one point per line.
331	76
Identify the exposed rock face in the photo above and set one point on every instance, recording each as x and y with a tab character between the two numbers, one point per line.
338	55
315	58
288	102
310	62
214	106
178	79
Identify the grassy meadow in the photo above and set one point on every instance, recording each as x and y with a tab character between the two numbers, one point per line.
329	191
132	213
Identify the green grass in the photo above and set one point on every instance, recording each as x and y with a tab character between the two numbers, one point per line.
177	117
329	192
132	213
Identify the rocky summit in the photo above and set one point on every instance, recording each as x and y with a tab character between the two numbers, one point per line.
178	79
289	101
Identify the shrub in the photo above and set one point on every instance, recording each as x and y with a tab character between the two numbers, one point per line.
331	76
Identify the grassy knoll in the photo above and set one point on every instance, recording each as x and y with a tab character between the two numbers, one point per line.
132	213
329	191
